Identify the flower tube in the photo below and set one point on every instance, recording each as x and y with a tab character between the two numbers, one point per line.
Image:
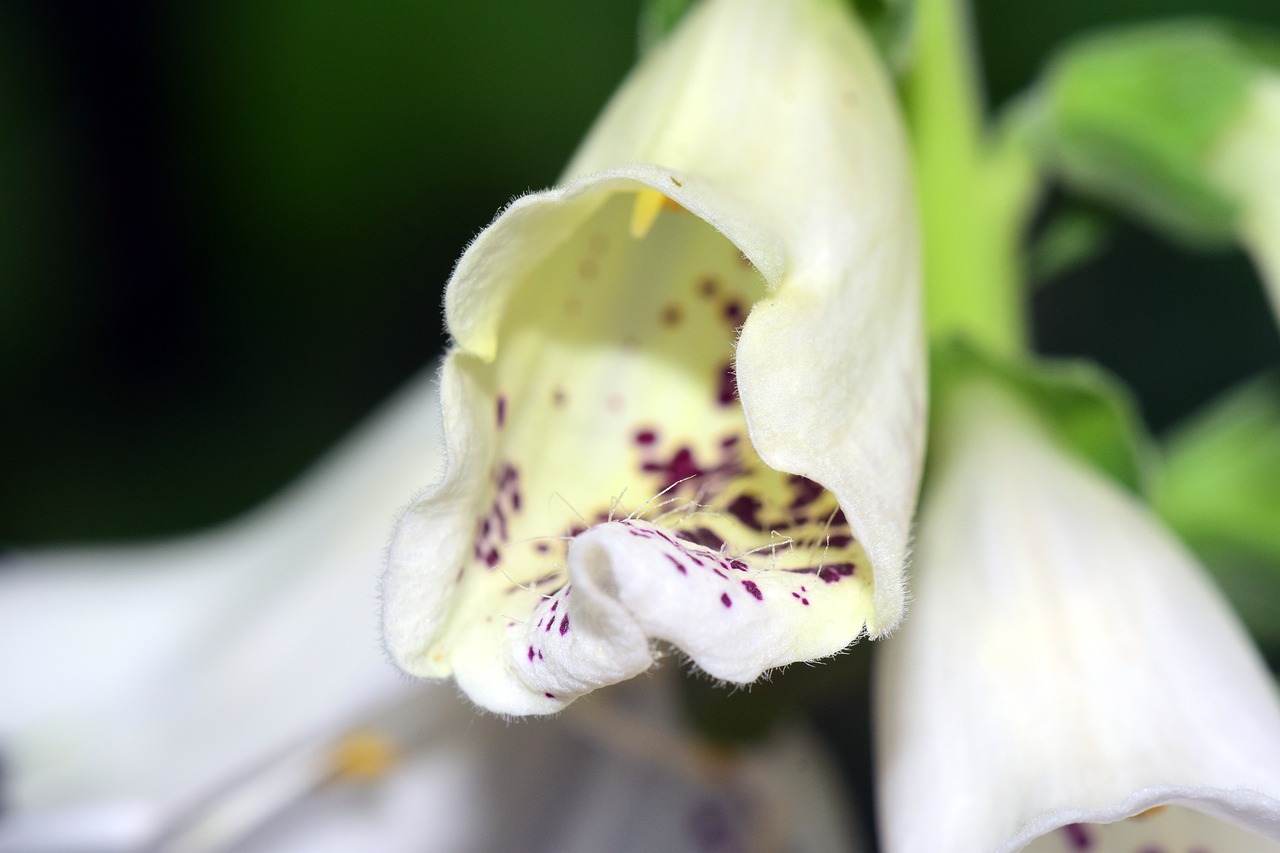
1069	679
685	403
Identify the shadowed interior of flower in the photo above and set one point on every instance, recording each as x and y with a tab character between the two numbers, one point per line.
1170	828
615	498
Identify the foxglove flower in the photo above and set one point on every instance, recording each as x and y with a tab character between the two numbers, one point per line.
685	404
1069	679
227	691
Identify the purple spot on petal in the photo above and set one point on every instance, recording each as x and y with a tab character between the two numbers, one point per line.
676	563
727	390
805	602
501	411
806	491
725	600
531	653
564	624
646	436
746	508
541	547
549	695
750	586
704	537
733	313
1077	836
836	571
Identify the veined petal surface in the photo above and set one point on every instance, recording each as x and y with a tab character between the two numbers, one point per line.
1066	664
686	402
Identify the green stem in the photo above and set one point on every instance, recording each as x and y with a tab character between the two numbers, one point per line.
974	196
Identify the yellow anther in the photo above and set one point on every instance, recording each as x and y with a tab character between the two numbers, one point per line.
645	213
363	756
649	203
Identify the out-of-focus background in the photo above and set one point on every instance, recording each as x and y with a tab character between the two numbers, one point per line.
225	227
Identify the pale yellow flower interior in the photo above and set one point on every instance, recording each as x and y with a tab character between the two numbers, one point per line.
614	398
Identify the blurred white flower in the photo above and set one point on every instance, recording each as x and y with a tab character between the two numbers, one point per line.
1066	665
229	690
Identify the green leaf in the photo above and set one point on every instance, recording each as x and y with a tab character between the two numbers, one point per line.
1219	488
1087	409
657	19
1132	116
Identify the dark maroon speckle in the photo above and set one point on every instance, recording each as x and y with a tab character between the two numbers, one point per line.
564	624
703	536
549	695
746	508
725	600
682	466
541	547
737	565
733	313
727	390
840	540
676	563
502	411
806	491
646	436
1077	836
531	653
750	586
835	571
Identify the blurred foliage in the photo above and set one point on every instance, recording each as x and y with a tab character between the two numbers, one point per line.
1219	488
224	230
1133	115
1083	407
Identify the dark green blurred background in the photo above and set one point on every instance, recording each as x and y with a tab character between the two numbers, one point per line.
224	230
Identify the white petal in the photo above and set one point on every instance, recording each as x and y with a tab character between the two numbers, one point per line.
140	675
597	344
1066	661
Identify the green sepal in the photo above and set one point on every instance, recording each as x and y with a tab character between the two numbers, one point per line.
1132	116
1219	488
1087	409
889	23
